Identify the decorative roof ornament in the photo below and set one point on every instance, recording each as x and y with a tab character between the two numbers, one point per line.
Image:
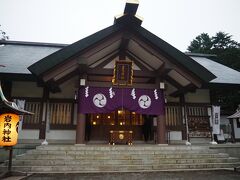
129	14
10	107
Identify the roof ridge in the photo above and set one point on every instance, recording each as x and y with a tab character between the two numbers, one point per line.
33	43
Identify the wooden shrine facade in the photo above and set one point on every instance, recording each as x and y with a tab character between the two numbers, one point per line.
149	62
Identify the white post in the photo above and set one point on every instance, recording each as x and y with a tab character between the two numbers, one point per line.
186	121
210	113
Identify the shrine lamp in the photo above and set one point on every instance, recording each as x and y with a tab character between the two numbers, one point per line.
9	120
8	129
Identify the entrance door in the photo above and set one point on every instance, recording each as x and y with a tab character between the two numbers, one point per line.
99	125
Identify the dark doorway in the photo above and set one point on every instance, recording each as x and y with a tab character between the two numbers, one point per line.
98	126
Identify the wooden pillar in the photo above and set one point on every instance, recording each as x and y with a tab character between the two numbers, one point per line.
161	130
80	131
43	114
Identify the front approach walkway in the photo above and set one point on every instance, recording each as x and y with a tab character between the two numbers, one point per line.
186	175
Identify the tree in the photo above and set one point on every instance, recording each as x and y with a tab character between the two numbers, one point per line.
201	44
222	45
223	41
3	35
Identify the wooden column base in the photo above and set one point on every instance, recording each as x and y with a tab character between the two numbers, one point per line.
80	131
161	130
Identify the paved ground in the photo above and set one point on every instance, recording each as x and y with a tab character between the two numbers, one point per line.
196	175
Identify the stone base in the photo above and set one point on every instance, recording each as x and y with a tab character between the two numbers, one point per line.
162	144
80	144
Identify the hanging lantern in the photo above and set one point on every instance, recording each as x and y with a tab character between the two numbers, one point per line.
8	129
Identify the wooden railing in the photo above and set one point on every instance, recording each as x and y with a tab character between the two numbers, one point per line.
196	114
60	113
174	117
33	120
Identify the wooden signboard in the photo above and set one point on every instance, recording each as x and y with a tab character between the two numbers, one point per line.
123	73
199	127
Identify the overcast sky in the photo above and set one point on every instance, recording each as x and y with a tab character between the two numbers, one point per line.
66	21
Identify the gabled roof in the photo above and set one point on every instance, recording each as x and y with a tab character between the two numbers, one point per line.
224	74
179	57
16	56
60	56
131	23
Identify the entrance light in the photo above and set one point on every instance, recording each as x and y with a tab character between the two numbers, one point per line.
8	129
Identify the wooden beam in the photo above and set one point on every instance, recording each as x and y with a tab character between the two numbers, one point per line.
138	63
59	69
173	82
108	60
102	72
103	79
83	68
102	45
140	60
109	84
167	59
109	72
163	70
53	86
186	89
67	77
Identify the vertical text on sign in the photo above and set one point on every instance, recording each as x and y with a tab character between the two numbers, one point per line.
8	129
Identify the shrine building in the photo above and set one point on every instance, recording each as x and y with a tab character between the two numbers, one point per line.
122	84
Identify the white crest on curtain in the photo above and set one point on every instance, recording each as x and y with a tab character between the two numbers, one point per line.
133	93
155	94
111	93
86	91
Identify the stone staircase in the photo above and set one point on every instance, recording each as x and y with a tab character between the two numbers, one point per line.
106	158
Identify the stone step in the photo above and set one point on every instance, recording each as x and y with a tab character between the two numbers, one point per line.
119	147
120	168
106	158
121	162
119	156
102	152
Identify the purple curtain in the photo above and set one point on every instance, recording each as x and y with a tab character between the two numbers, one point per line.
106	100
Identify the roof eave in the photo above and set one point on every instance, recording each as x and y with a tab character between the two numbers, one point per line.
181	58
61	55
